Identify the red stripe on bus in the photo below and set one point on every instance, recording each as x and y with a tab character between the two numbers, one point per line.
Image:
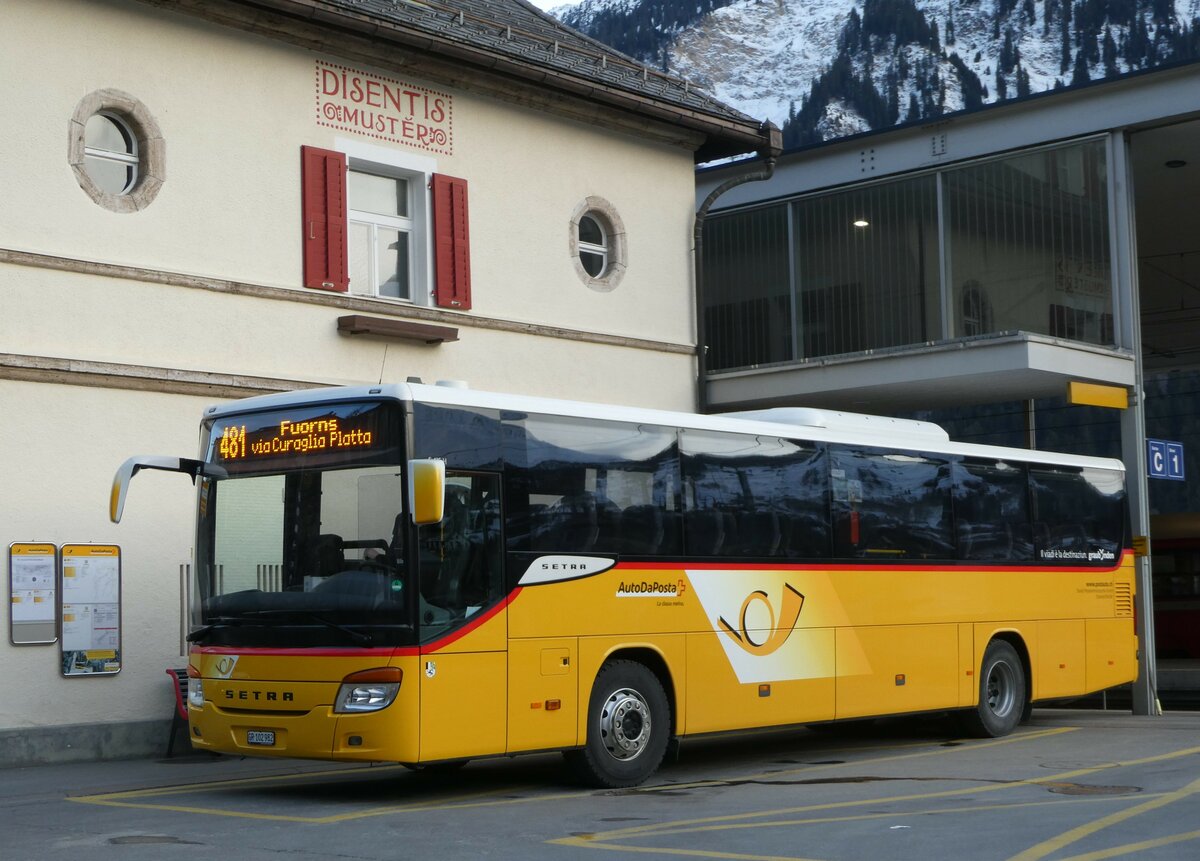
458	634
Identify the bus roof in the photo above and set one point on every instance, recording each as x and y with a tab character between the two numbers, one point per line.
800	423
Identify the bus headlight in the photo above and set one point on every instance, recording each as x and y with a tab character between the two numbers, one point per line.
195	689
368	690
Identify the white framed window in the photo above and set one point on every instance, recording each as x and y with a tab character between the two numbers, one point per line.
381	236
593	245
389	224
597	244
110	153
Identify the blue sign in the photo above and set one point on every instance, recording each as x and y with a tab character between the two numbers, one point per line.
1164	459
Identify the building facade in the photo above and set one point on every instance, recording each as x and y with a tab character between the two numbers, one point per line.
217	199
971	270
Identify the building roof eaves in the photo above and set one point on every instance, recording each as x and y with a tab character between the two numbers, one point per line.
514	38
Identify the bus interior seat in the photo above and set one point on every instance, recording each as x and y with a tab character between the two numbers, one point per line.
672	533
641	529
574	523
758	533
330	555
705	532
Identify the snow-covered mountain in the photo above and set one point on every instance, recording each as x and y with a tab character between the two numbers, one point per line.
826	68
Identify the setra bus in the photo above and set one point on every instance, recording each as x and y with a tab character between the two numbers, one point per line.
429	574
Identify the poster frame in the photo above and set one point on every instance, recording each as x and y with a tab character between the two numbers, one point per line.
77	663
50	626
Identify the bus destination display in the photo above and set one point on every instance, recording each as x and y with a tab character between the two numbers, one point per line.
291	437
266	441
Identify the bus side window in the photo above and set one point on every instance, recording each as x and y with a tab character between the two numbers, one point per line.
1078	512
888	505
753	497
991	511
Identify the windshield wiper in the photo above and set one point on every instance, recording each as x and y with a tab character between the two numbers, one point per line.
357	637
217	622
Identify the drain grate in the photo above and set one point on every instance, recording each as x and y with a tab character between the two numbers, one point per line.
143	839
1090	789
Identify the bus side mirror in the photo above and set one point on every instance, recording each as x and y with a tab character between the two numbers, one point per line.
426	490
131	467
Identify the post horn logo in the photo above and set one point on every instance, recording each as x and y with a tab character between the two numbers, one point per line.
793	602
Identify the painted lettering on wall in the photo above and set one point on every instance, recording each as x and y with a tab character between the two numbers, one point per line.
383	108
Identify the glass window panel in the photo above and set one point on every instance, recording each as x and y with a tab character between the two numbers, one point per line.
579	486
1028	245
360	258
1079	515
590	231
867	267
747	288
593	264
112	177
392	263
991	511
383	195
890	506
105	133
754	496
461	570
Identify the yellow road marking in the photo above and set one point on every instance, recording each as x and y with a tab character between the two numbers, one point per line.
1075	834
594	843
714	823
1033	735
128	798
937	811
1130	848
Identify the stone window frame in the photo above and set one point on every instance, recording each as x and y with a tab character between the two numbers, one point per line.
151	149
607	217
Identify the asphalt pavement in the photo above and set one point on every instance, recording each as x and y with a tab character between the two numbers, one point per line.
1079	785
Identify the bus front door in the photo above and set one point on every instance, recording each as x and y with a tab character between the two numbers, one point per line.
465	625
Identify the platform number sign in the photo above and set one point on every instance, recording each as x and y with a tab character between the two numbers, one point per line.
1164	459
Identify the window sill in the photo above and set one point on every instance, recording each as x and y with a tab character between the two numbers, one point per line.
404	330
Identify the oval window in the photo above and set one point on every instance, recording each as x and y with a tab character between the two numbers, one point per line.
593	246
110	153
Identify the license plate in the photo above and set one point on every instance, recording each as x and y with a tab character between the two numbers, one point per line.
261	736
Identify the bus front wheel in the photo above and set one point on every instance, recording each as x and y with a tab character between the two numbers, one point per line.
1002	692
628	726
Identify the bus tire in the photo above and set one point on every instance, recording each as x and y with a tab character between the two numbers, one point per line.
628	727
1002	692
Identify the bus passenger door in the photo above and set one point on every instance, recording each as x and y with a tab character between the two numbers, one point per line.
464	625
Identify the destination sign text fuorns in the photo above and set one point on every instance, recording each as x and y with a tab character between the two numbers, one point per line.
291	437
306	437
379	107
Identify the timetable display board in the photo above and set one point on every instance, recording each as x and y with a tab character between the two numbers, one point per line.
90	596
33	590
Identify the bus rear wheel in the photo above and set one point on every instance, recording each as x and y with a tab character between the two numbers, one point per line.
628	726
1002	692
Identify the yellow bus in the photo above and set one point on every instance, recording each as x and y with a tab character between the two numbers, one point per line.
427	574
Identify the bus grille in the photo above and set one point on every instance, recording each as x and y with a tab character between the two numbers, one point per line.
1123	599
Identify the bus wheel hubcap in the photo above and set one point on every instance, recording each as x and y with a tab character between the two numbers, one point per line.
625	724
1000	689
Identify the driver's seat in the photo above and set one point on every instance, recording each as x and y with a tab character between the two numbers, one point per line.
331	555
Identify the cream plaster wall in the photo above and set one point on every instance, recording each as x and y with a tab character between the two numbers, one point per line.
234	111
61	447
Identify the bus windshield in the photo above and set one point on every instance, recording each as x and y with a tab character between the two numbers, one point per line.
309	558
304	544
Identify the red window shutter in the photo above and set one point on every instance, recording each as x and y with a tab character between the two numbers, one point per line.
323	182
451	243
